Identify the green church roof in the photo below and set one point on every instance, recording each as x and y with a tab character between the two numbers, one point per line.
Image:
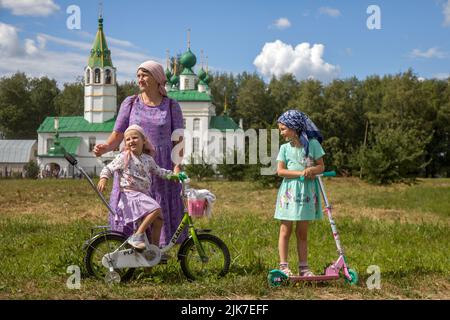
75	124
189	95
100	55
222	123
70	144
188	72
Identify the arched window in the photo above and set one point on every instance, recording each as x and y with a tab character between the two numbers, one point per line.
88	76
196	145
196	124
184	123
97	76
108	76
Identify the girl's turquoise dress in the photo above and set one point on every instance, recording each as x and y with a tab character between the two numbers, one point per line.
299	200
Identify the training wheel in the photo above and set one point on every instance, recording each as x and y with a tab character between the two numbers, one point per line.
354	277
112	277
276	277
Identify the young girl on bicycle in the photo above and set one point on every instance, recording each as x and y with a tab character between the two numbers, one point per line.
135	166
298	198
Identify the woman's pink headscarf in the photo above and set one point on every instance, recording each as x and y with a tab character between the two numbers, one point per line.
157	72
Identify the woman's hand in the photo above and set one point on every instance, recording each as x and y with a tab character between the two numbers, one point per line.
102	184
100	149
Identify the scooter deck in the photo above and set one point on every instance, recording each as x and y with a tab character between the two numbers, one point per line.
277	277
313	278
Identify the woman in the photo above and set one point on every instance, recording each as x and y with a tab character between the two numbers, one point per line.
159	116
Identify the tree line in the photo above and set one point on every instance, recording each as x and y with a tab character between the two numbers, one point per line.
383	129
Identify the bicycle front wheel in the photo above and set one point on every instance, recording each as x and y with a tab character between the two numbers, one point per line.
216	262
97	249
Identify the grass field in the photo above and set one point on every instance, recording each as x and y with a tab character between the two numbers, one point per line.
405	230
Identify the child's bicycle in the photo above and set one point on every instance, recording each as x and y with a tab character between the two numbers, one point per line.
109	256
277	277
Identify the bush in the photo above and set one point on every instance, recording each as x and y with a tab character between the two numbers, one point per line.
233	171
396	155
31	170
253	172
199	171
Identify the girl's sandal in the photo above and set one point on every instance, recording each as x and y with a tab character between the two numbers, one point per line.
307	273
287	272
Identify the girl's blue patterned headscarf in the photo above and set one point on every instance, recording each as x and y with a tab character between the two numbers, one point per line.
305	128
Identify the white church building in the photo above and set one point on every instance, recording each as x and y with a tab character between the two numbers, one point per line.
79	134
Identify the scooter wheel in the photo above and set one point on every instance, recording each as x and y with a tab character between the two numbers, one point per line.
354	277
112	278
276	278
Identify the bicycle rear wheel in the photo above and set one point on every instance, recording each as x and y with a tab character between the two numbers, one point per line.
215	264
97	249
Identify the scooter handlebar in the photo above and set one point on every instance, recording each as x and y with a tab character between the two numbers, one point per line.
323	174
329	174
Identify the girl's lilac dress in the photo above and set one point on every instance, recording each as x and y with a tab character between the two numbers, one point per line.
158	123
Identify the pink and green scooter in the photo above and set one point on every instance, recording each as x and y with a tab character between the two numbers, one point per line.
332	272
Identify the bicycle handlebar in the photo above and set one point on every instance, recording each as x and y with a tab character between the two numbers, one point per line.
70	158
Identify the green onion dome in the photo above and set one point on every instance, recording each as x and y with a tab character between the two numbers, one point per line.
201	74
188	59
207	79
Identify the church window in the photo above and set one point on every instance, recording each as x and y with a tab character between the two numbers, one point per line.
184	123
91	143
97	76
196	146
88	76
196	124
186	83
49	143
108	76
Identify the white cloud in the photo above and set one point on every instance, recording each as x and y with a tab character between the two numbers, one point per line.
9	41
430	53
442	76
304	61
446	11
86	46
30	7
281	23
32	56
332	12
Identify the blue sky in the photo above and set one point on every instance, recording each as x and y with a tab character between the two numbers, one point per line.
311	38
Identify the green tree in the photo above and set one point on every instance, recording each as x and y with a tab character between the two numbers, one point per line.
281	92
24	103
253	102
43	93
70	101
394	154
128	88
14	102
224	85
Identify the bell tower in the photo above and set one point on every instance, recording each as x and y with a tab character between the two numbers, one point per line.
100	90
